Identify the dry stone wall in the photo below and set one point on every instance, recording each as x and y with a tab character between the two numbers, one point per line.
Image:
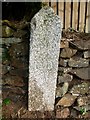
73	80
73	83
14	46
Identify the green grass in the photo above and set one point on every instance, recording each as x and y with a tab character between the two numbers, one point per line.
83	111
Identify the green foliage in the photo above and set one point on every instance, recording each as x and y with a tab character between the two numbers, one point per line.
71	29
44	4
5	55
6	101
83	111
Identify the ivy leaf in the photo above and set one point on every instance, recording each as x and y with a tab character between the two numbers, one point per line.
6	101
83	111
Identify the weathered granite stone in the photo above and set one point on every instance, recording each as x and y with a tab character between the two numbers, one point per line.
43	63
78	63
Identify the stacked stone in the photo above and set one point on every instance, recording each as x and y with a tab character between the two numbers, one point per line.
15	43
0	73
73	85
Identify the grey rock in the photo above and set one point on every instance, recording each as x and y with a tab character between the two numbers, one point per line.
0	71
4	62
7	31
84	100
0	30
0	88
64	113
65	78
20	33
80	89
87	115
0	52
12	80
86	107
87	54
15	97
20	72
64	69
73	113
67	52
67	100
82	73
65	88
20	25
60	91
64	43
81	44
20	62
12	89
43	63
17	50
78	63
0	45
5	69
9	40
63	62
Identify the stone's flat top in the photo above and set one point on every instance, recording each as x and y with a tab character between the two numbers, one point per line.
43	61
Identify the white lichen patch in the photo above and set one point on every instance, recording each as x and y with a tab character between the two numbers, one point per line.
80	89
43	60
